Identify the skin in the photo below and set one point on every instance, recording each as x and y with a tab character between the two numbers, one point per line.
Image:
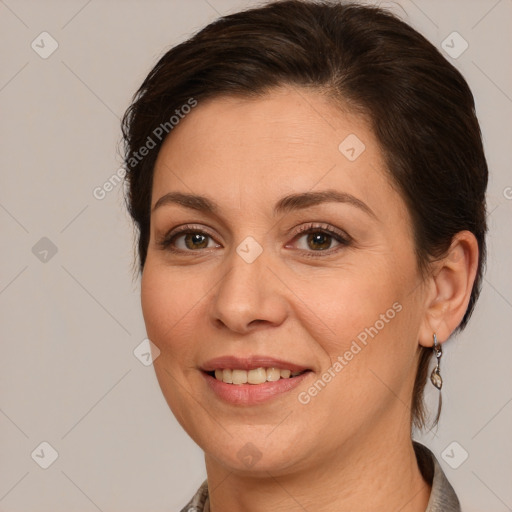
349	448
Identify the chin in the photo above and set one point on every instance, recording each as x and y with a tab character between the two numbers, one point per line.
252	461
253	453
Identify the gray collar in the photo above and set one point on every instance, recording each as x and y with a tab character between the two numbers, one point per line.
442	497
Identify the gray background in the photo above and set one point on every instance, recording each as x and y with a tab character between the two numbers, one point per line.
70	321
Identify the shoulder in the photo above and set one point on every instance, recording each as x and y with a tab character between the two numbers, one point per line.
198	503
442	496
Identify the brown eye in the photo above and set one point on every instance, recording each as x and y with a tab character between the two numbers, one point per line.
316	240
196	241
189	240
319	241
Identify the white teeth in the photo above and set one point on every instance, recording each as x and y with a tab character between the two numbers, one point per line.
227	376
239	376
255	376
273	374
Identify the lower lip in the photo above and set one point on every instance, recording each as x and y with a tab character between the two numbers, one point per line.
252	394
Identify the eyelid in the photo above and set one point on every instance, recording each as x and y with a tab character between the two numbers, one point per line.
325	227
191	227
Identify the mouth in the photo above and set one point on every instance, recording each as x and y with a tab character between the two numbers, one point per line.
255	376
252	380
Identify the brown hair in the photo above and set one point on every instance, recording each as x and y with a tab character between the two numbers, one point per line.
420	108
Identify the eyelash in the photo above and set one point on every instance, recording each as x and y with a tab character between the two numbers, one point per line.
342	238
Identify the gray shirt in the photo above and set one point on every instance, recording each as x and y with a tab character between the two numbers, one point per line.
442	496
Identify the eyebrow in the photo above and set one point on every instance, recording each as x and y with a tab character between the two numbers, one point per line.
286	204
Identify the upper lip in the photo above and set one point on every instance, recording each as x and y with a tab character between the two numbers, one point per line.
250	363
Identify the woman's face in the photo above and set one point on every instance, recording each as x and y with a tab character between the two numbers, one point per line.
287	248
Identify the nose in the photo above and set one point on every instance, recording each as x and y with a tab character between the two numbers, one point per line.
248	296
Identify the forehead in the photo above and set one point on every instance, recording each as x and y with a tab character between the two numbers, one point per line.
256	150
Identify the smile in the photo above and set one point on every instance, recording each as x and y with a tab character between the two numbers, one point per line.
255	376
252	379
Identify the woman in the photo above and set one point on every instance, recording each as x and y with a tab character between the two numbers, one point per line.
308	183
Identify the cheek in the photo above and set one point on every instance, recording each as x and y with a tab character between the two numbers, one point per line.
169	302
363	316
348	302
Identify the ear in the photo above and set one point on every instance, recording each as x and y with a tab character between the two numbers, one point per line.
449	289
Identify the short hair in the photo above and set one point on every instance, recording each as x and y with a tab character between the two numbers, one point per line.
418	105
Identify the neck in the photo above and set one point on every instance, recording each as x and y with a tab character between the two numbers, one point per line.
379	472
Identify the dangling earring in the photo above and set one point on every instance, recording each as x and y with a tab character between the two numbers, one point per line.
435	376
